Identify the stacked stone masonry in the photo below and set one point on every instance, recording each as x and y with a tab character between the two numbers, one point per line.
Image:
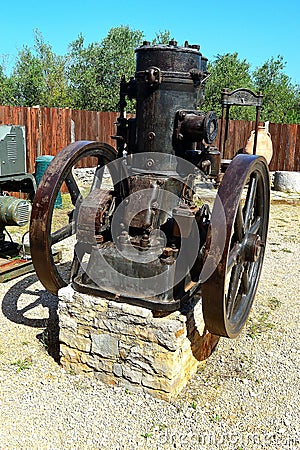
130	346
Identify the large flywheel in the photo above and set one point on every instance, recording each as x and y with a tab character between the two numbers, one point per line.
48	227
243	205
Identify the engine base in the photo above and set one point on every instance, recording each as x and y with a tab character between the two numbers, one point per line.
132	347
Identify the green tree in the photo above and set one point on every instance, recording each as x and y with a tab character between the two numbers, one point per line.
28	78
162	37
39	76
83	74
95	72
55	83
228	71
281	97
6	89
117	59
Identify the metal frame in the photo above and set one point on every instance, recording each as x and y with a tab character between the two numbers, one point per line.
239	97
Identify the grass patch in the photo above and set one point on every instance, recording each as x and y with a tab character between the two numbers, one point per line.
258	326
147	435
22	364
274	303
215	419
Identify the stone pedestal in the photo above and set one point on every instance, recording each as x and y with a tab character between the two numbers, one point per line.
131	346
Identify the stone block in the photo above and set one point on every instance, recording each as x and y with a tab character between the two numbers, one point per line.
105	345
74	340
130	346
286	181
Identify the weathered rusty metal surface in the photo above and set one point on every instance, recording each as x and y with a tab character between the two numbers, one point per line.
10	269
226	304
238	97
180	72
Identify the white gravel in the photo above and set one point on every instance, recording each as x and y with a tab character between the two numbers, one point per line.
245	397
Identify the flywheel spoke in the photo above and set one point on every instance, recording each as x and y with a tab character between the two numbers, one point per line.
233	256
73	188
98	177
255	227
251	195
245	279
62	233
233	290
239	228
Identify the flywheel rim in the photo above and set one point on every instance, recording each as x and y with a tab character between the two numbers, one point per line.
227	304
43	205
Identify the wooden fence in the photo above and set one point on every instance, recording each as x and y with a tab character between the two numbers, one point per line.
48	130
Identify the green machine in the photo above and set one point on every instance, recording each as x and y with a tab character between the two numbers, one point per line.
17	190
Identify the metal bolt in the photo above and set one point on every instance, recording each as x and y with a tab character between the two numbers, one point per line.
145	241
167	252
151	136
150	163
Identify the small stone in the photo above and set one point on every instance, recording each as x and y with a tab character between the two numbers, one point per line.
253	394
286	181
105	345
118	370
134	376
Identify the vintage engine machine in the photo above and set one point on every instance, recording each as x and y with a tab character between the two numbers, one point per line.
14	211
146	238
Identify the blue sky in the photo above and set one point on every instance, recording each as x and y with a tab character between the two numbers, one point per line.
257	30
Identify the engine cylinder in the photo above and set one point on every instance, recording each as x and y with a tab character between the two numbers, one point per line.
168	78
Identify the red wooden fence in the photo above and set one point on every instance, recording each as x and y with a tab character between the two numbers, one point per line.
48	130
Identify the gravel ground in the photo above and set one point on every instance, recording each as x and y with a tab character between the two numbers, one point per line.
246	396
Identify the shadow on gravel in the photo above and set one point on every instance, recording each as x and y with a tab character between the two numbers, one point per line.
50	336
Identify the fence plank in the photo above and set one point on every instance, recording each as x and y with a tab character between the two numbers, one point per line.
296	165
48	130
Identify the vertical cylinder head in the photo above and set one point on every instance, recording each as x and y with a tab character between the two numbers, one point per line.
168	78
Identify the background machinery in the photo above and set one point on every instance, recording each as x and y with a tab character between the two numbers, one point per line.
17	190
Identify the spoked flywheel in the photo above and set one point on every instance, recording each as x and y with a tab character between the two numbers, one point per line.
50	227
243	206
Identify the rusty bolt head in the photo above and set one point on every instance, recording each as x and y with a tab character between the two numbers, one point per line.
145	241
151	136
167	252
150	163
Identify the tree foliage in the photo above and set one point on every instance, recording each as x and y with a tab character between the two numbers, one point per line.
83	74
39	76
227	71
27	78
88	77
6	89
281	98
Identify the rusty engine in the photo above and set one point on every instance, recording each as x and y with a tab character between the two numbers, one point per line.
147	239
